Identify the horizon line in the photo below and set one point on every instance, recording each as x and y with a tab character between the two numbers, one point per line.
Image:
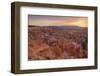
55	25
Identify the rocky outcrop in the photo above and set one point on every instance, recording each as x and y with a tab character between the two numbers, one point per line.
48	44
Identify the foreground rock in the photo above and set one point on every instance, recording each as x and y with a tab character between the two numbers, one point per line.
48	44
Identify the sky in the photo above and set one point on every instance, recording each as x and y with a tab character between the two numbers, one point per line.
46	20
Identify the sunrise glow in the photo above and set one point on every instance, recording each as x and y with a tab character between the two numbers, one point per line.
40	20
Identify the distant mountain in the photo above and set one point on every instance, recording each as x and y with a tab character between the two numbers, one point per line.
68	27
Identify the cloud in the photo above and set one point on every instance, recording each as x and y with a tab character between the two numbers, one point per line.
41	20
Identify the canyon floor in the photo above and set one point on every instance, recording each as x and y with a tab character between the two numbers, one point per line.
57	42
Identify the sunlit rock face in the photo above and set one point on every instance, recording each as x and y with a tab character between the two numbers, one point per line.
63	42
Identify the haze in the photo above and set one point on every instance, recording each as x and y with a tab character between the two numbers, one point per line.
43	20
